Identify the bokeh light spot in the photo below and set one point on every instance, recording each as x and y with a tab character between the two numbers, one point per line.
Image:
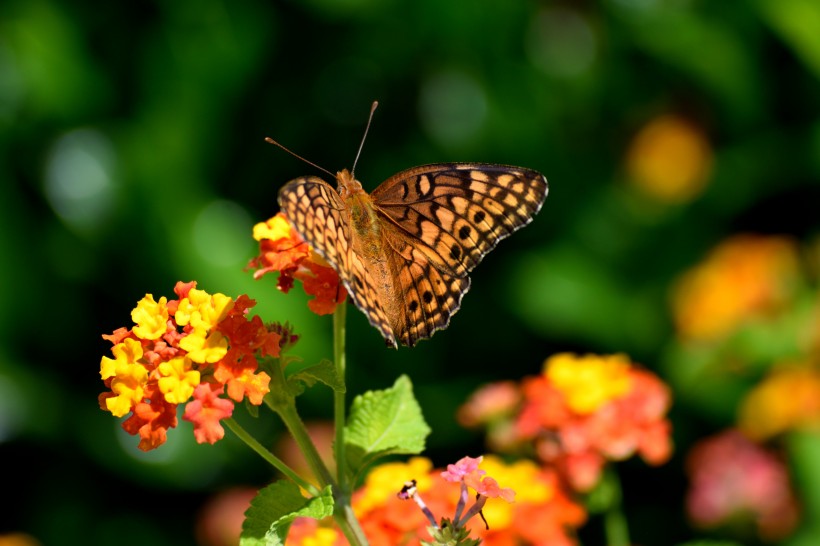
12	86
79	178
670	159
452	107
12	409
561	42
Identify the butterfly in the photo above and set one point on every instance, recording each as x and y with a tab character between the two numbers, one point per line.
404	251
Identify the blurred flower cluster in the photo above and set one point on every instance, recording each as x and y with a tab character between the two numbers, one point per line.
747	323
199	350
670	159
745	278
580	413
736	482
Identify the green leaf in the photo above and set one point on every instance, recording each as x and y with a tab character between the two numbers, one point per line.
274	508
324	372
797	22
384	423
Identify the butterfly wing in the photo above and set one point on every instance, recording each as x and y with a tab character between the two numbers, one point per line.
443	219
460	211
319	216
427	296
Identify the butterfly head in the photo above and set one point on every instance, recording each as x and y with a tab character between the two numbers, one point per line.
347	184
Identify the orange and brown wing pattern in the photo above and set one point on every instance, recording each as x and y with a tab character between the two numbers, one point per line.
441	221
319	215
437	223
428	296
460	211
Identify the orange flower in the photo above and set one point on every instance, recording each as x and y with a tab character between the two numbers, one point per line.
585	411
789	398
309	532
282	250
743	278
670	159
191	348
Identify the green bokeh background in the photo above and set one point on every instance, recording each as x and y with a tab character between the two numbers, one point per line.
132	156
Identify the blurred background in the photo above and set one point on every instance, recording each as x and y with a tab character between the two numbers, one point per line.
132	156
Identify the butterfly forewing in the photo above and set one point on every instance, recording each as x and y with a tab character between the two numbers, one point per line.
436	223
318	214
461	211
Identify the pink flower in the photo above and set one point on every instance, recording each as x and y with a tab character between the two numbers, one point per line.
734	479
205	412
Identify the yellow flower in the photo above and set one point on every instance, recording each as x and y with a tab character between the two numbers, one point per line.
670	159
150	317
177	380
202	310
126	353
128	377
385	480
788	398
323	536
275	228
522	477
203	348
588	382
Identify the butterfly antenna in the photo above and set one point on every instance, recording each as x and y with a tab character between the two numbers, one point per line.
372	109
271	141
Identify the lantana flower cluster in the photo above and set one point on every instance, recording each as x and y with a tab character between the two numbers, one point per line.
787	399
580	413
199	350
750	309
736	481
540	514
746	277
282	250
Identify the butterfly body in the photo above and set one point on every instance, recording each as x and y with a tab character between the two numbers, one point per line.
404	251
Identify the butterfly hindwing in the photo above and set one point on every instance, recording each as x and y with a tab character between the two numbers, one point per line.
428	296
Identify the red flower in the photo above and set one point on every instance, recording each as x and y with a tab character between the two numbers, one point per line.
282	250
151	420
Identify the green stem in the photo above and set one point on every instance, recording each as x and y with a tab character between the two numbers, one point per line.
615	525
349	525
339	396
288	414
277	463
343	514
